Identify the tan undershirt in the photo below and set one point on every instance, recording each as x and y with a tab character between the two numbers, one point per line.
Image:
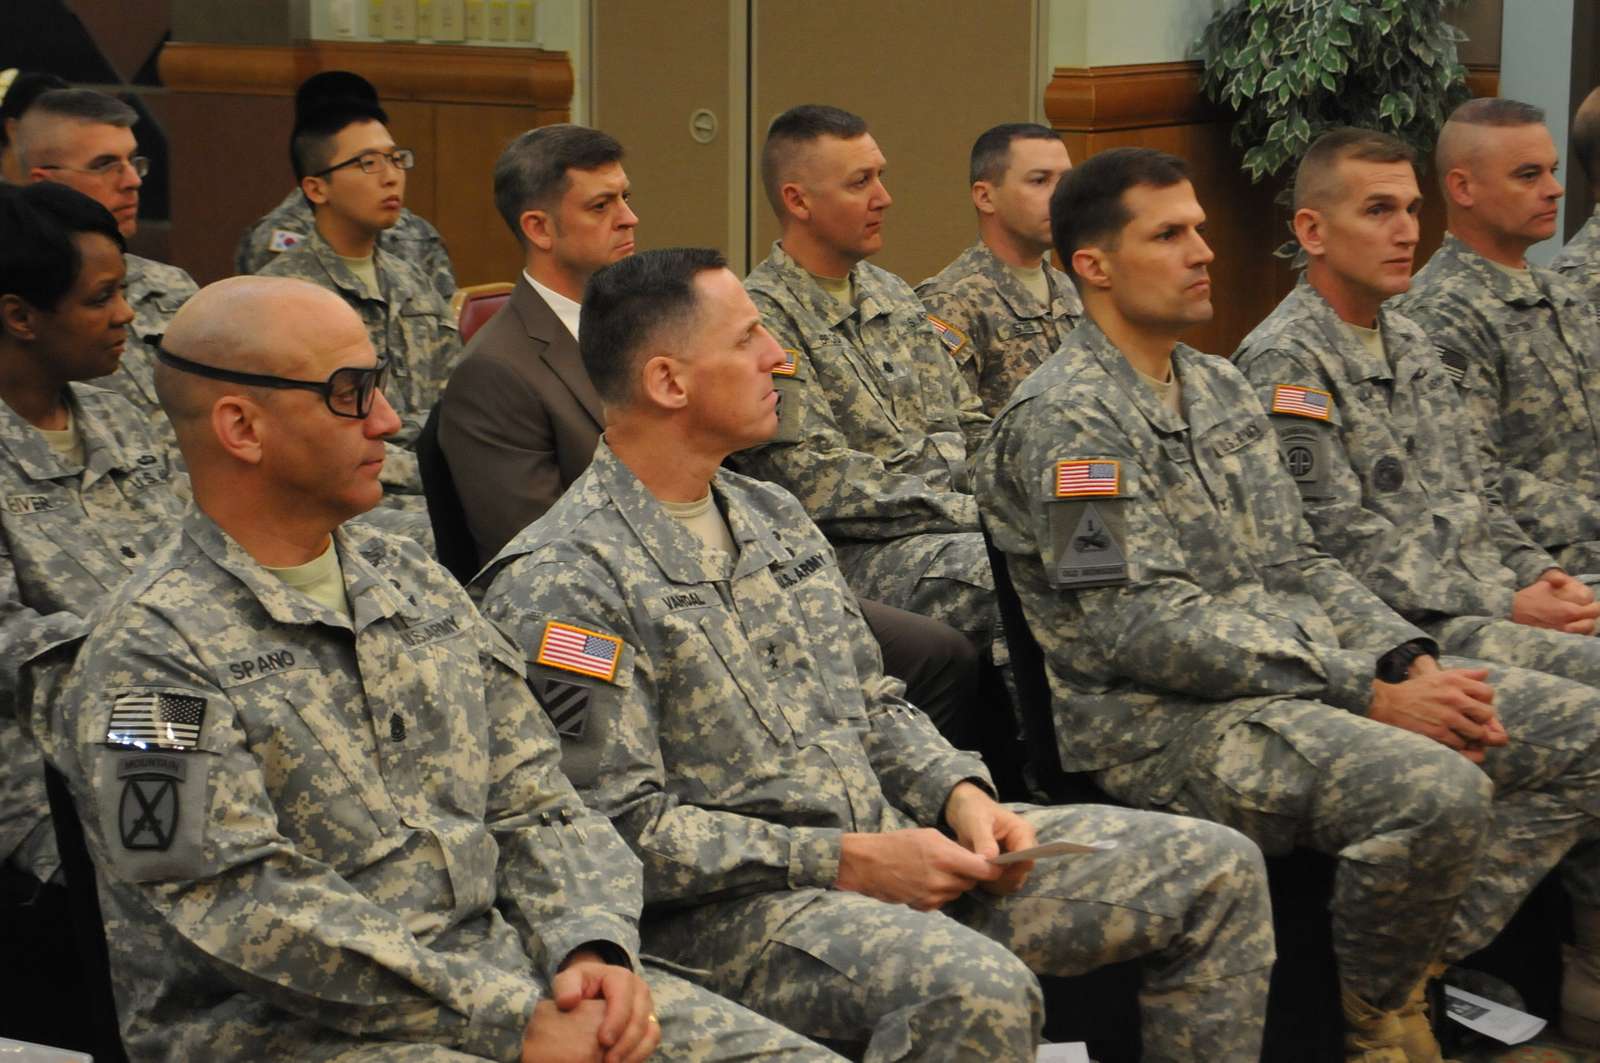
841	288
319	579
706	521
67	442
1372	340
1520	272
1033	280
1168	391
365	269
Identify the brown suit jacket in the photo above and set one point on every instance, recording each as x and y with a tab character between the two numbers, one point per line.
518	421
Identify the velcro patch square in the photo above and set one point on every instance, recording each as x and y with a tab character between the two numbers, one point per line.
953	338
1302	402
153	719
1075	479
576	649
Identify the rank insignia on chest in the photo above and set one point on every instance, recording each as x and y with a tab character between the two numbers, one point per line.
1078	479
576	649
156	720
1302	402
283	240
791	362
952	338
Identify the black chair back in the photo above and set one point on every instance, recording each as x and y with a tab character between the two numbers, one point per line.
451	536
88	928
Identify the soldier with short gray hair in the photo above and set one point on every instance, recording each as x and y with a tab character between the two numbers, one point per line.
719	696
1521	342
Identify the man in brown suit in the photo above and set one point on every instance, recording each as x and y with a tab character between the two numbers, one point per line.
519	419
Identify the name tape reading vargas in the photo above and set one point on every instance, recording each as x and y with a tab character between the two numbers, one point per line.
791	362
1302	402
577	649
159	720
1076	479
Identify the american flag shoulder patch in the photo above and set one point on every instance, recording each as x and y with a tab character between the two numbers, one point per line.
156	719
1077	479
952	338
791	362
1302	402
577	649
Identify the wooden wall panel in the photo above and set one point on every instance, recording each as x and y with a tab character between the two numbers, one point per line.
1161	106
229	110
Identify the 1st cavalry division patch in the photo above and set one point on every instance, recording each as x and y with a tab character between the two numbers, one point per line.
576	649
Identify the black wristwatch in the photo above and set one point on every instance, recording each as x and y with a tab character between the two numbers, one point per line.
1395	666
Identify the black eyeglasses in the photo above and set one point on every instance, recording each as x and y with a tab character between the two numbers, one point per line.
372	161
348	391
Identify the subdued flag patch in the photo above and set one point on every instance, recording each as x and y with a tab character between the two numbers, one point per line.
791	362
1302	402
1075	479
953	338
580	650
157	720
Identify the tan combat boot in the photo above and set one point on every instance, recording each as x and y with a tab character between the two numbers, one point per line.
1580	979
1416	1031
1370	1035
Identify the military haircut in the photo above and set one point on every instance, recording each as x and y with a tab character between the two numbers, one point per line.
628	304
533	172
1087	206
71	105
991	152
1492	112
1315	179
1585	142
311	143
793	130
39	255
24	91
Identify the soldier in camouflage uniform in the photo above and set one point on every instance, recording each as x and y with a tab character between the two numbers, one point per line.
289	223
1579	261
1520	341
1002	293
1380	448
1205	658
876	422
84	139
327	809
353	173
87	486
721	699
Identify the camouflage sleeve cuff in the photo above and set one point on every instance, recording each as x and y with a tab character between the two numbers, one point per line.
814	856
1529	565
497	1024
1350	674
926	800
615	938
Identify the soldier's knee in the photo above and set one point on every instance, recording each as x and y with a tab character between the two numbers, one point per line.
993	982
1448	795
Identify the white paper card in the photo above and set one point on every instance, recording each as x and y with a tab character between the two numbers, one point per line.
1490	1018
1076	1052
1045	852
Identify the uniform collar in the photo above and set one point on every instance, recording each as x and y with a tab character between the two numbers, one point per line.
1087	336
341	275
102	451
873	297
676	550
1512	290
362	556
